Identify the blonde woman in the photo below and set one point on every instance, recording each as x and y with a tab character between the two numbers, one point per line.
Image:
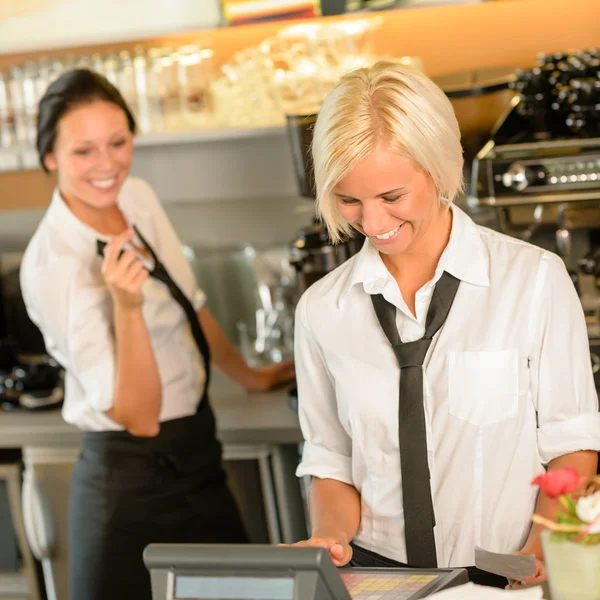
444	366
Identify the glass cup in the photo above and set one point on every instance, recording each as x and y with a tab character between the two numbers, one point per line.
573	569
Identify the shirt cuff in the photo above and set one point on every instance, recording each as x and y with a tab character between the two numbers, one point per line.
199	299
563	437
320	462
98	385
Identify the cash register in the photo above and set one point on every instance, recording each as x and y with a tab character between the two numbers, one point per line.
263	572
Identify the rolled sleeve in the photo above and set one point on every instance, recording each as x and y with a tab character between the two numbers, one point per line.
563	437
318	461
564	390
98	383
328	448
91	346
77	330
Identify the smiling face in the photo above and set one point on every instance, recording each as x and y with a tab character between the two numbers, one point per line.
92	155
389	199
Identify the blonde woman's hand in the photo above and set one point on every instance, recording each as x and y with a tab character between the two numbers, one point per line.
124	273
539	575
338	547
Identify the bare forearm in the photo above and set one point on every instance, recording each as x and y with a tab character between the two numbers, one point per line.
334	508
138	390
586	463
224	354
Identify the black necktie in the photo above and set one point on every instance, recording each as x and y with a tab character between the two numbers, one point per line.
160	273
419	517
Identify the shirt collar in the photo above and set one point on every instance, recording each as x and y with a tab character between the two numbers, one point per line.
81	237
466	257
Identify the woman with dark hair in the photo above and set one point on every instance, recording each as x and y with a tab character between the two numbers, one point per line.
105	279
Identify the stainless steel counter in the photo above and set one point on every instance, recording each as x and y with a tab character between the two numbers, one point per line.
260	436
242	418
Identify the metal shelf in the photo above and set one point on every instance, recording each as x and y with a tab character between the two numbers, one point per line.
24	158
525	200
206	135
13	586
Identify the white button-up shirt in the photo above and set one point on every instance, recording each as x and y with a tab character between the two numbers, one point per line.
67	298
508	386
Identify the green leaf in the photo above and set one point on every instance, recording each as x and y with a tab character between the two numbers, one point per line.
561	536
591	539
569	504
568	519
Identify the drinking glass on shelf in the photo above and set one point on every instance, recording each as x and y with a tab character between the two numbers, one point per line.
301	90
144	101
7	120
17	100
149	77
243	94
31	95
84	62
350	43
111	68
301	42
97	63
194	70
126	80
164	69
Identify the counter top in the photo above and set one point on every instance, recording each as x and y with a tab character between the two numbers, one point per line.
242	418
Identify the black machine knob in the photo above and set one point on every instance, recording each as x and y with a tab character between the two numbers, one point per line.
518	177
574	275
584	102
535	97
559	96
590	263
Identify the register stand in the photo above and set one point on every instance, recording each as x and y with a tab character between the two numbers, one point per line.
261	572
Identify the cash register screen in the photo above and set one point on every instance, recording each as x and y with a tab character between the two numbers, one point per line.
233	588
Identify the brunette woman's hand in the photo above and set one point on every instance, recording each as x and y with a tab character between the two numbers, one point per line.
124	273
272	376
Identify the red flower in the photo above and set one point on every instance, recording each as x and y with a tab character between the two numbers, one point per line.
558	482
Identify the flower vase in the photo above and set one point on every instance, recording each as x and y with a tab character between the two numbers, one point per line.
573	568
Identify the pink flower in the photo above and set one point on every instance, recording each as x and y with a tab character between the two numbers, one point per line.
558	482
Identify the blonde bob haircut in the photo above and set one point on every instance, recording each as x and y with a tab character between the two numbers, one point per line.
385	103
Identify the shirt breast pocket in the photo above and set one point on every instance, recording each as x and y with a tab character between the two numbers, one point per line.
483	387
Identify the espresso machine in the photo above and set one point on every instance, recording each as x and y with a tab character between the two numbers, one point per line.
312	253
546	149
540	169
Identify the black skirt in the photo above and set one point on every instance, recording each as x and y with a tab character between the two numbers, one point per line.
128	492
366	558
